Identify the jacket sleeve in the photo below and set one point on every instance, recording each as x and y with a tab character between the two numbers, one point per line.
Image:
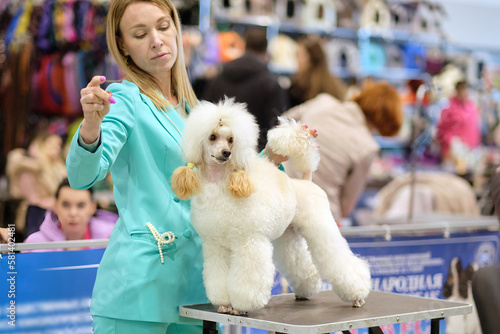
85	168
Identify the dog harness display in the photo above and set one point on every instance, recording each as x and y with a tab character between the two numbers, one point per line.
160	239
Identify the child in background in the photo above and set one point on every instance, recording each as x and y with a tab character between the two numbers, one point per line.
73	218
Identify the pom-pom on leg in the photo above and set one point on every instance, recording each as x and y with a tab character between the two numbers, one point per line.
185	182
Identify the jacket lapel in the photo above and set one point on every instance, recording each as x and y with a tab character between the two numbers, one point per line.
164	121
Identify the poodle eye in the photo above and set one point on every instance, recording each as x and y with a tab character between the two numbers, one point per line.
231	140
212	137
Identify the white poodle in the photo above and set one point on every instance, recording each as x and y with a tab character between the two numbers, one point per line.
248	212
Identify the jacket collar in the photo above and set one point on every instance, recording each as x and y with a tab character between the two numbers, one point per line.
164	121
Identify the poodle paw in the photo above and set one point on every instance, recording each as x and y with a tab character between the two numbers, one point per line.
237	312
224	309
300	298
358	303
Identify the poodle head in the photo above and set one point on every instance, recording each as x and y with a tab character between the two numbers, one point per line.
220	133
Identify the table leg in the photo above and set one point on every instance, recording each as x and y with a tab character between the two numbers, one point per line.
435	325
375	330
209	327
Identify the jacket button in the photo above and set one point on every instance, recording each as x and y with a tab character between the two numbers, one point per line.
176	199
188	233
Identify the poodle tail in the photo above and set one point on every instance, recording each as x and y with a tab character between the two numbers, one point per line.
185	182
240	185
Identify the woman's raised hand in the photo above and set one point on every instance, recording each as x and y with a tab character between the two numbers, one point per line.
95	103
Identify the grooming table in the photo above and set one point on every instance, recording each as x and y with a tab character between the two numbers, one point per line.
325	313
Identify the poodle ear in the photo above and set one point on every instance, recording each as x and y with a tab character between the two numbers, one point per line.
185	182
240	185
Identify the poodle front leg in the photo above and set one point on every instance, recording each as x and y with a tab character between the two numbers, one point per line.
294	262
215	272
251	276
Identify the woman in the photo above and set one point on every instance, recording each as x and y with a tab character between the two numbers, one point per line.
459	122
347	143
73	218
313	74
34	175
134	131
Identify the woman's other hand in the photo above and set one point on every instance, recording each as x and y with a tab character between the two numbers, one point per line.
313	132
4	235
273	157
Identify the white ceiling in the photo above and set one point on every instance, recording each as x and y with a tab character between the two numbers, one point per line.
473	23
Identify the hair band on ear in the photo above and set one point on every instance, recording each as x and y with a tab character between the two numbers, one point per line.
190	165
241	171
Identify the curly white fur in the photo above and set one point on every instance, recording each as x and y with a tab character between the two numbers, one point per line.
281	218
291	140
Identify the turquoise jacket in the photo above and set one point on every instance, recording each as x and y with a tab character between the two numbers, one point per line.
141	148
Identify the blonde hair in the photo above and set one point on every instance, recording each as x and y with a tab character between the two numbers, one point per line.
147	84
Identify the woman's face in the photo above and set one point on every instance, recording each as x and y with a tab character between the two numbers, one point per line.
463	93
149	38
74	208
302	58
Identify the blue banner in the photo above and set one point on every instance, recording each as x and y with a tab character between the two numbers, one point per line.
418	266
50	292
47	292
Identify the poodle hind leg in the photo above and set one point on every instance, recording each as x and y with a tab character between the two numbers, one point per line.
215	272
251	275
294	262
348	274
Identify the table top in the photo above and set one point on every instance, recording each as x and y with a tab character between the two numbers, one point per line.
326	313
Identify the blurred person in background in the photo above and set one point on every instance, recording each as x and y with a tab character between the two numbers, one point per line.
74	217
460	121
313	74
347	143
249	81
33	176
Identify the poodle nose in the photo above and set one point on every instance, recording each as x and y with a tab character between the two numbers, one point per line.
226	153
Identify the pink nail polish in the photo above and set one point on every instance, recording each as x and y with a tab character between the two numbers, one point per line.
103	78
112	100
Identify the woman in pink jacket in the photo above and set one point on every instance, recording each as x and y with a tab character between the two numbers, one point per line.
75	217
460	120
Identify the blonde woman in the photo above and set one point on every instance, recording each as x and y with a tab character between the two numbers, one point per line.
153	261
34	175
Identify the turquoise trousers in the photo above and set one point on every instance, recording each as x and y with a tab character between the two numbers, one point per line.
103	325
